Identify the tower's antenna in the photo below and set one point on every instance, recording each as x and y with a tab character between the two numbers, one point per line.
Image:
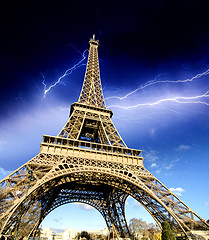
93	36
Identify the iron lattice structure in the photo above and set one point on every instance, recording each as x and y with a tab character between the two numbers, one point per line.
88	162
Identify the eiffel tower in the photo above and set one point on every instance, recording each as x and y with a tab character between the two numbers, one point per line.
88	162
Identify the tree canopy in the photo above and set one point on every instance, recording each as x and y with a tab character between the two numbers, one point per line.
167	233
143	230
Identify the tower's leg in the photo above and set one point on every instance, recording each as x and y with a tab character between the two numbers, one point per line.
116	212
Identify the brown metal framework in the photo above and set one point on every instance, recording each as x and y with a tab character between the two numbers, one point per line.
88	162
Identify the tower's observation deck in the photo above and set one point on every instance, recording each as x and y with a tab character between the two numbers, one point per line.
63	146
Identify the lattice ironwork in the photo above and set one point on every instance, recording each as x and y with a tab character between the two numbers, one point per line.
88	123
88	162
91	93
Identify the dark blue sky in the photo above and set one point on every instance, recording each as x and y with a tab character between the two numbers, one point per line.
158	36
144	45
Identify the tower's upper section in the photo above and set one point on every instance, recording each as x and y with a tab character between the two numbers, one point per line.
91	93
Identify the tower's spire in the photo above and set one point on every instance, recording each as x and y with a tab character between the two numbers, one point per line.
91	92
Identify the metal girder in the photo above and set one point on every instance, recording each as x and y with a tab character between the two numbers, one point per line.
116	211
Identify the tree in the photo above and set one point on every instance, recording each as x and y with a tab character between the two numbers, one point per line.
154	231
142	230
167	233
157	236
137	227
84	235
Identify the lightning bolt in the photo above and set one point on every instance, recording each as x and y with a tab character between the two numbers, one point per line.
181	100
66	73
154	81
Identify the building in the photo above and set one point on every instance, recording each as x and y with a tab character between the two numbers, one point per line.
68	234
47	234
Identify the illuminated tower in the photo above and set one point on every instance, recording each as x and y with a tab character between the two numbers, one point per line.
88	162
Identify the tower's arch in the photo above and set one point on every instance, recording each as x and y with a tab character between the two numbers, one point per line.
105	185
